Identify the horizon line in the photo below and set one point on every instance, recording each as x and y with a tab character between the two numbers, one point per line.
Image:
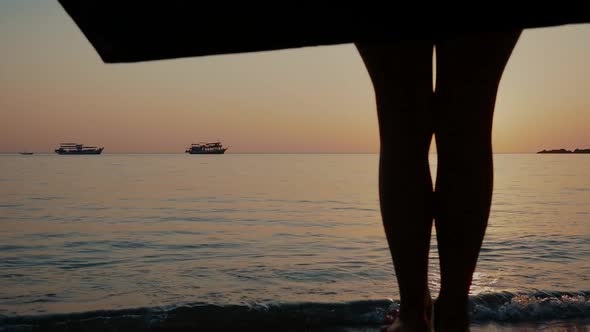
298	152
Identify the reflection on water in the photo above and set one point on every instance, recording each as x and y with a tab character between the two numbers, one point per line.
119	231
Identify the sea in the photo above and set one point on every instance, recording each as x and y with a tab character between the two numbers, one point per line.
278	242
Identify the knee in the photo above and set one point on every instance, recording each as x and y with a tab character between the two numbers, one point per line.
471	147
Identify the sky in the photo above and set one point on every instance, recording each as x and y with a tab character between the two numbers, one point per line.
54	88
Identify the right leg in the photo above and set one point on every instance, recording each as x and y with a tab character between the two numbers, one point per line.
401	73
469	68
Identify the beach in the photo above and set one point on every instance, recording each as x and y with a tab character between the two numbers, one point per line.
162	242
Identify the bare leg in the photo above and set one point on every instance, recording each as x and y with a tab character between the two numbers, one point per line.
402	78
469	68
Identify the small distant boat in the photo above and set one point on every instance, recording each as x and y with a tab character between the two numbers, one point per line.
26	153
566	151
206	148
77	149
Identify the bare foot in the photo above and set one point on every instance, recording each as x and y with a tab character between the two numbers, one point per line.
448	318
400	326
396	324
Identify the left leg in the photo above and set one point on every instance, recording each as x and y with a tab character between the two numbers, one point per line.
401	73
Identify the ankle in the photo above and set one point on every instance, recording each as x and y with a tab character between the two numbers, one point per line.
417	317
414	325
451	315
412	315
416	311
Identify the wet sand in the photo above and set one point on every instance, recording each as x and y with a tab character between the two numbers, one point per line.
579	325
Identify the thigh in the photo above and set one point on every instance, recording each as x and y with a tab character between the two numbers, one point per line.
468	71
401	73
399	67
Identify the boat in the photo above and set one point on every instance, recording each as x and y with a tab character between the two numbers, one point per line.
566	151
77	149
206	148
26	153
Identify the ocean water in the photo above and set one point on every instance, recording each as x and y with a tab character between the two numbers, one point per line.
146	240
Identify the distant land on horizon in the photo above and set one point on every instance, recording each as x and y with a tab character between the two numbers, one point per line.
565	151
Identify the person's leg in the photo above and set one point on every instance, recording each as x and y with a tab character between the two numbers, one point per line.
401	73
469	68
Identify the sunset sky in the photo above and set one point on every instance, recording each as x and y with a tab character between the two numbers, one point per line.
54	88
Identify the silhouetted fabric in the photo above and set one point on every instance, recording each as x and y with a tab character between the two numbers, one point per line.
129	30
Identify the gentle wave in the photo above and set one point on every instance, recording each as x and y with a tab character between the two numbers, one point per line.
493	307
535	306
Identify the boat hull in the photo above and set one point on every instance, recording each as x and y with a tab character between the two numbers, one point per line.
206	152
74	153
